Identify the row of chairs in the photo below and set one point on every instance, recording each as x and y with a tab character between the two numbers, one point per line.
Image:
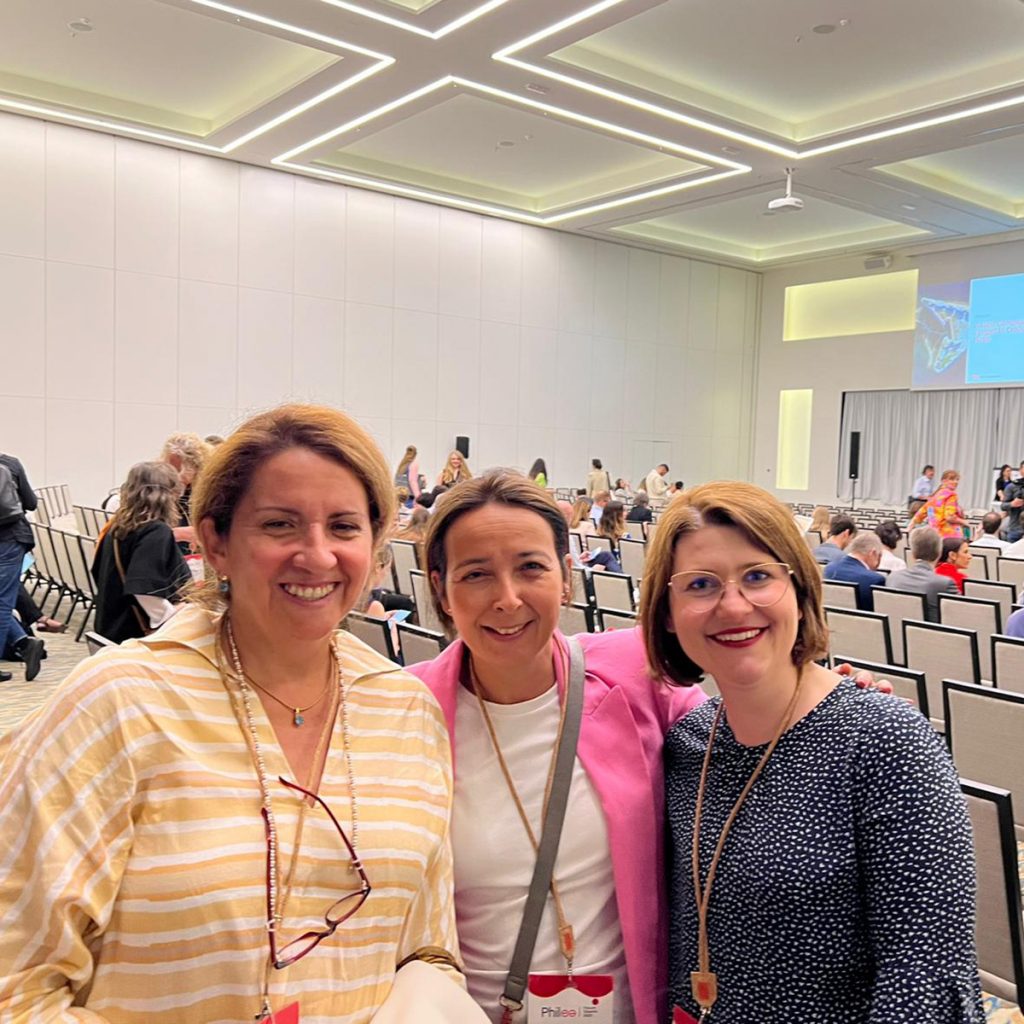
62	565
89	521
54	502
407	645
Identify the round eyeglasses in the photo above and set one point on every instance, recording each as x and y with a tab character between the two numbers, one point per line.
762	585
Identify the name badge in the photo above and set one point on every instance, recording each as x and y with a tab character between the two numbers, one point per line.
557	997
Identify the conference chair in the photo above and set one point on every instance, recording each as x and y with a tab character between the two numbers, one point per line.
576	618
424	605
374	632
1008	665
941	652
907	683
838	594
95	643
983	555
404	561
1011	570
613	590
635	530
582	586
983	730
418	644
611	618
813	538
998	932
984	617
862	634
898	605
632	554
992	590
597	543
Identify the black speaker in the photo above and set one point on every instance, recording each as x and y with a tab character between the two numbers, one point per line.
462	446
854	454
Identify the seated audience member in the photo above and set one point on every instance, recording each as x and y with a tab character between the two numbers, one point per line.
601	499
820	521
22	643
1003	481
381	599
416	530
921	578
841	531
657	486
138	568
990	525
425	499
859	565
956	556
943	511
581	522
613	524
675	488
641	510
187	453
922	489
213	440
890	534
587	559
622	491
1013	503
1015	625
455	471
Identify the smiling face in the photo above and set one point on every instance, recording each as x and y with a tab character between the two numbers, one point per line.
503	587
740	644
299	549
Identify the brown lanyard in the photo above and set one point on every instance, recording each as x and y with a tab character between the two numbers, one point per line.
703	981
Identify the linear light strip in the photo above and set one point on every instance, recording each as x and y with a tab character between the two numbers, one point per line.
386	19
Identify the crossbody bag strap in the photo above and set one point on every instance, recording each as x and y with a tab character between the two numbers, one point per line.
547	851
143	625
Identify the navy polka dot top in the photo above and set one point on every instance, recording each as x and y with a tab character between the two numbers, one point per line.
845	891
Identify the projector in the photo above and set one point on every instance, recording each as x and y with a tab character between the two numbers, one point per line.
784	203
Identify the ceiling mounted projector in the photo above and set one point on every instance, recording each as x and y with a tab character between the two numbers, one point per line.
788	202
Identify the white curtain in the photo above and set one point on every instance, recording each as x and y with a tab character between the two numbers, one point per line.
902	431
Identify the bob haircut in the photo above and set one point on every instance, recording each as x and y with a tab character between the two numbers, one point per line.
227	476
767	524
149	494
495	487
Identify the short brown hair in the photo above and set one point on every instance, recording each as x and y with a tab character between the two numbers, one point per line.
495	487
227	476
767	524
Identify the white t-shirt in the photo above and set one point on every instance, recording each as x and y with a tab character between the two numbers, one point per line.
889	562
987	540
494	859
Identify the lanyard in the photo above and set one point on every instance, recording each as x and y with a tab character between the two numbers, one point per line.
703	981
556	796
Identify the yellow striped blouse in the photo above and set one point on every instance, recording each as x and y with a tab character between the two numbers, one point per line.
133	853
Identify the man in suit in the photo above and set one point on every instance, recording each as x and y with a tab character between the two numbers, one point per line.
921	577
859	565
841	531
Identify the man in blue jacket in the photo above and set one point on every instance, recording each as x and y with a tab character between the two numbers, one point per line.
859	565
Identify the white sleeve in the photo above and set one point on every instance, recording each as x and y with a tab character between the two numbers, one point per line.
158	609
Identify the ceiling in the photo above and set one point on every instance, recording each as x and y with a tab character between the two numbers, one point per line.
665	123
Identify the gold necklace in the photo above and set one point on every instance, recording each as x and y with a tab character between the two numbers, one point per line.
297	713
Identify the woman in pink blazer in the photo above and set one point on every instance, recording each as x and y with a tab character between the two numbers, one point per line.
497	554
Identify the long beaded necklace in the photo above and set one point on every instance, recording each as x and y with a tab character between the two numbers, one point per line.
276	909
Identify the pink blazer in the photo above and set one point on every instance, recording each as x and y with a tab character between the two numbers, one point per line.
625	717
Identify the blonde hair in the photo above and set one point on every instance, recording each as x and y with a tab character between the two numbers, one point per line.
149	494
190	449
580	511
767	524
820	520
227	476
613	522
410	454
450	476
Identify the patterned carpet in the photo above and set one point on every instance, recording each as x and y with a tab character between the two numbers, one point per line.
18	698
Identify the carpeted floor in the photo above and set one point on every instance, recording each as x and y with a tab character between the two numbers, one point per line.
18	698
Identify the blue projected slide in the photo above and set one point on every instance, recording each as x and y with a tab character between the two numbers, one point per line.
995	334
970	333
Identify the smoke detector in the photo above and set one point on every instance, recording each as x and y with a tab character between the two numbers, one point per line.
788	202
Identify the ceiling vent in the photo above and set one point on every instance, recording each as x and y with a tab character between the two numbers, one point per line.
878	261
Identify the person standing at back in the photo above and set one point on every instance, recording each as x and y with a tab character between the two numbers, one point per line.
656	485
598	478
16	540
943	511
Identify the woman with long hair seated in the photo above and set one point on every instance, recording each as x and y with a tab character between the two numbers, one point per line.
455	470
138	568
821	862
244	815
956	557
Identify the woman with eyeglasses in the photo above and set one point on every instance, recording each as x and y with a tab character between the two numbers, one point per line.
247	809
821	864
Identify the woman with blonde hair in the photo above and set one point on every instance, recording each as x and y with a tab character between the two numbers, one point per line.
416	530
580	521
455	470
249	805
820	519
187	453
820	851
407	474
138	569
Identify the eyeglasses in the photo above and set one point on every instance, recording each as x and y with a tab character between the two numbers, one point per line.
762	585
339	911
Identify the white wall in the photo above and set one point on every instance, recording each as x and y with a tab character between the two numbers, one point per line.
145	290
831	366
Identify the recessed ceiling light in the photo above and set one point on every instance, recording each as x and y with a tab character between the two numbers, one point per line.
907	206
824	30
506	143
543	90
733	151
81	25
844	22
